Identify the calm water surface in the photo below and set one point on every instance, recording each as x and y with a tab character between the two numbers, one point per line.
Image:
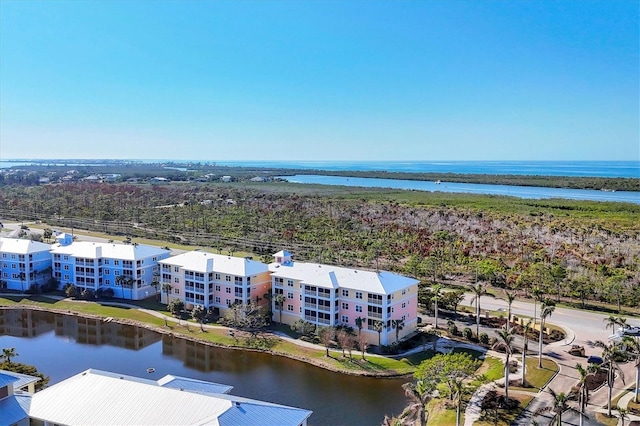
61	346
534	192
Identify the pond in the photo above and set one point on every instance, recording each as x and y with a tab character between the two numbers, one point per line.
63	345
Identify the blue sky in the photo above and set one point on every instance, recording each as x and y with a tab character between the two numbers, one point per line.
320	80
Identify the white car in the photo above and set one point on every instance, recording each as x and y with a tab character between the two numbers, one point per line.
629	331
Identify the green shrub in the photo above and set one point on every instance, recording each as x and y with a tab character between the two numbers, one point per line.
484	338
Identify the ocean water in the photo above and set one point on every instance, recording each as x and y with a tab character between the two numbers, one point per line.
625	169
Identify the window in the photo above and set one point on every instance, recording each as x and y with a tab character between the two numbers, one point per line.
290	283
217	299
289	295
65	257
115	262
404	317
345	293
176	291
217	276
290	308
228	290
404	305
217	287
4	255
358	308
66	267
176	269
106	272
66	277
228	302
176	280
345	319
404	291
107	282
358	295
345	305
107	261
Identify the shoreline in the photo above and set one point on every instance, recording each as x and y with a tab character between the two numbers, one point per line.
165	332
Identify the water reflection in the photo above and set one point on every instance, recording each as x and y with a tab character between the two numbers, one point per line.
91	331
64	345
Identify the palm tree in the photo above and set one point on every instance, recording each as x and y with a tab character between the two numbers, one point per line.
398	325
610	352
633	349
279	301
360	323
546	309
611	322
166	288
478	290
129	282
583	390
623	414
8	353
510	298
436	295
525	349
378	326
22	277
155	283
120	280
419	396
559	405
536	292
459	388
506	342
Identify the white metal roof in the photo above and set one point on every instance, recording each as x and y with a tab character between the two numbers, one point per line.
328	276
91	250
110	399
202	261
20	246
193	385
21	380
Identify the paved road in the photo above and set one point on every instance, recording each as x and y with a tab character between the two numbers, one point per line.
588	327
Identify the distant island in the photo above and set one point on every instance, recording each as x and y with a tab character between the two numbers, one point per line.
33	172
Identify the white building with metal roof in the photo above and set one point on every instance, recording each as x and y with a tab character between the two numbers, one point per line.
131	271
330	295
214	280
95	397
23	263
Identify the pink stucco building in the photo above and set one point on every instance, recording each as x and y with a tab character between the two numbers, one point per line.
332	295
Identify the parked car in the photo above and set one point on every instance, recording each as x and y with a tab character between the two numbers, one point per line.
576	350
630	331
594	360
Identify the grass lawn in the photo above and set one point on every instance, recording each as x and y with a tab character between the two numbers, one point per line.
538	377
440	415
492	368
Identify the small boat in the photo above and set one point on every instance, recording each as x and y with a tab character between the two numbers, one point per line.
438	182
151	370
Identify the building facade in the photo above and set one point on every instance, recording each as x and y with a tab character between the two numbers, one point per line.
372	302
214	280
131	271
24	263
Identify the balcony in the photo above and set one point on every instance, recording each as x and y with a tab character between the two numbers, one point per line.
324	321
374	315
324	308
310	305
310	318
374	301
311	292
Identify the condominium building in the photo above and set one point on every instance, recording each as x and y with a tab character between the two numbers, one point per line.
23	263
214	280
330	295
131	271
